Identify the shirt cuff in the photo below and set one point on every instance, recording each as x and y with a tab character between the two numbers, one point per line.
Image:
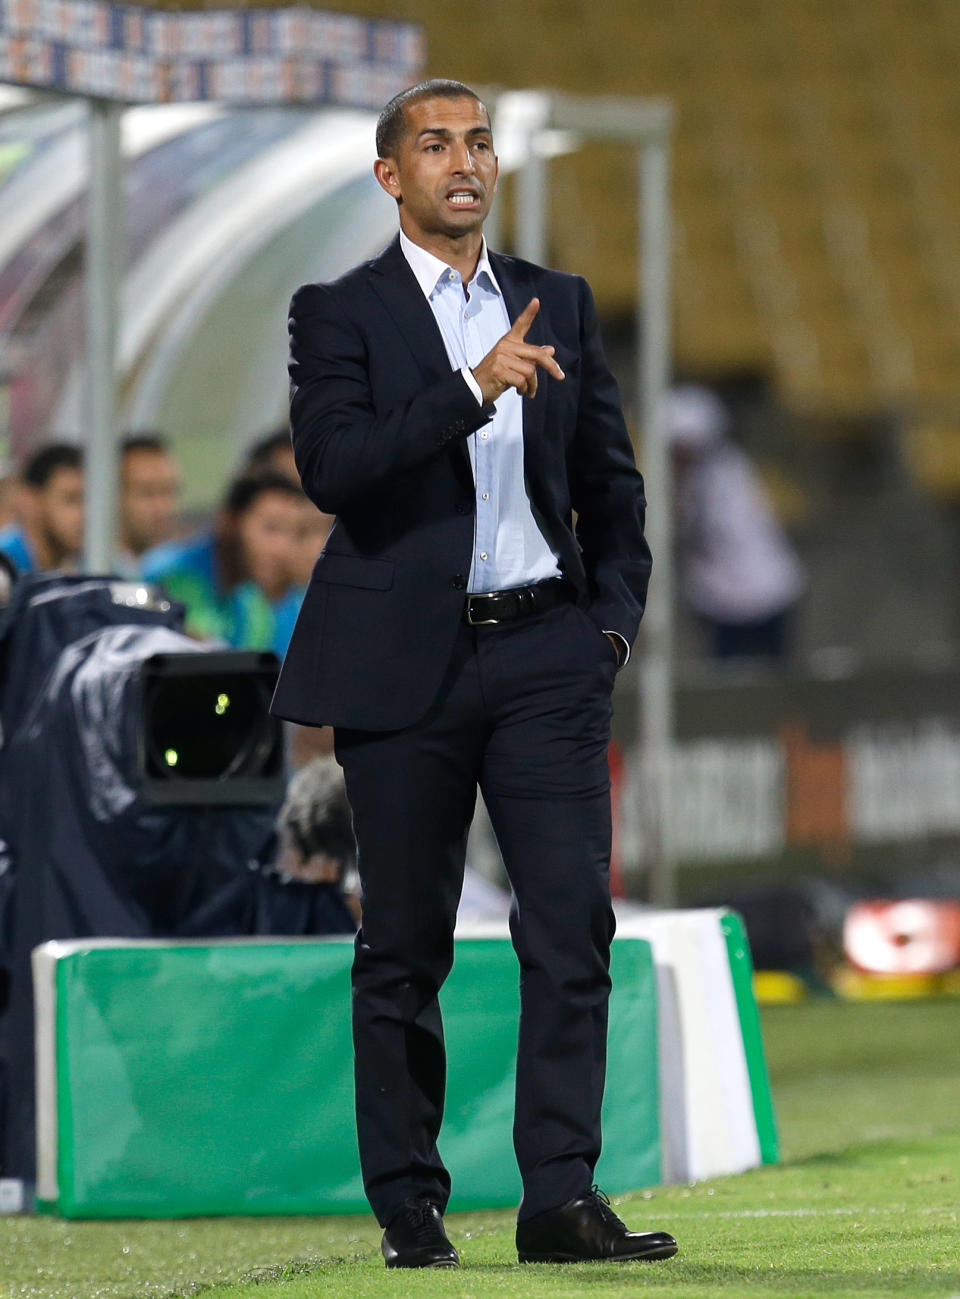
625	651
472	384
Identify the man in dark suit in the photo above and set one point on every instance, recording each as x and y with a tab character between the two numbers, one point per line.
452	407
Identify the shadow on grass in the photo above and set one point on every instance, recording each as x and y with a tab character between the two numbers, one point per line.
937	1144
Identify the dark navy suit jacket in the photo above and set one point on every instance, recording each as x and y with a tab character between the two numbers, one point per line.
379	423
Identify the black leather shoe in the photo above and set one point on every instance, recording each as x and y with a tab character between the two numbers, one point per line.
416	1238
586	1230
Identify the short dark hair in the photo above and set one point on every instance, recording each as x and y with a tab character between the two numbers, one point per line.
264	449
391	122
145	440
247	488
43	464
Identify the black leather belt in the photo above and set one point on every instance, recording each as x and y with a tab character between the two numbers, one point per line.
518	602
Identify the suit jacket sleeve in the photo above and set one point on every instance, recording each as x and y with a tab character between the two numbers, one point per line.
345	446
607	491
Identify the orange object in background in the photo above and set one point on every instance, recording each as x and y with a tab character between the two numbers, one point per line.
818	779
912	936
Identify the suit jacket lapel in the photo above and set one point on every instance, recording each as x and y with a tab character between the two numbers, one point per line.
516	284
517	288
397	287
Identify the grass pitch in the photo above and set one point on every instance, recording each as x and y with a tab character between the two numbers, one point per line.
866	1202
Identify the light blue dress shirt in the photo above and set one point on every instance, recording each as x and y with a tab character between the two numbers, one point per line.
509	549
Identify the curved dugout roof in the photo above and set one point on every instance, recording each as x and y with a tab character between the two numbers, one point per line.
227	212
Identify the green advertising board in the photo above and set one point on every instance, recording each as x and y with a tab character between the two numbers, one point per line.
208	1078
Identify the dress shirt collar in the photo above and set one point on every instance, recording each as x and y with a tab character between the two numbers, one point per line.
429	269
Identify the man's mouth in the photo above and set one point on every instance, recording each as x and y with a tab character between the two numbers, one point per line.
463	197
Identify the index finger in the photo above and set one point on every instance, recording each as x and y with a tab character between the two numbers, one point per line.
523	322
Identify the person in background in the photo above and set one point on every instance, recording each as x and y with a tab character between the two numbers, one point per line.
315	527
232	577
49	509
275	451
149	496
7	490
317	852
738	571
271	542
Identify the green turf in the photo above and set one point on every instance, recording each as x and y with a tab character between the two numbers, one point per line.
866	1203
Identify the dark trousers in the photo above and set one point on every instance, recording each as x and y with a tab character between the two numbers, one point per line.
524	712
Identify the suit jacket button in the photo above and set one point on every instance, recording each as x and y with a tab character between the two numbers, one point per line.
461	509
458	582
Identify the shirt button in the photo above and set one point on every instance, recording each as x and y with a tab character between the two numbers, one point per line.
484	436
483	554
485	496
458	581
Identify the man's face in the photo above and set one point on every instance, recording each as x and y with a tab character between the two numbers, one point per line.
269	533
56	510
445	172
148	501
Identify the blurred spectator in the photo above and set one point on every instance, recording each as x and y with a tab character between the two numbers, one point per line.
236	580
49	509
275	451
738	572
314	828
7	488
149	493
311	538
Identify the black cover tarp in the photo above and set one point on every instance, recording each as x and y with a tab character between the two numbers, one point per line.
90	856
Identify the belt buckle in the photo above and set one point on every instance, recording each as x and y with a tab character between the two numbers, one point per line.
480	622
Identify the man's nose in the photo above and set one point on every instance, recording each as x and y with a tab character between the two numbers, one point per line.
463	160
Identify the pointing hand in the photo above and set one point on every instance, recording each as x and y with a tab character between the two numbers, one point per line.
513	363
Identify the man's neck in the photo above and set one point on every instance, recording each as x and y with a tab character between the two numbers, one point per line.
462	253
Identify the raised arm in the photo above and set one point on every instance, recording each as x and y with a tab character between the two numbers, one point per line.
346	449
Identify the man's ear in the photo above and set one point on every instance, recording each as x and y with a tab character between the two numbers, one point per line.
386	173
